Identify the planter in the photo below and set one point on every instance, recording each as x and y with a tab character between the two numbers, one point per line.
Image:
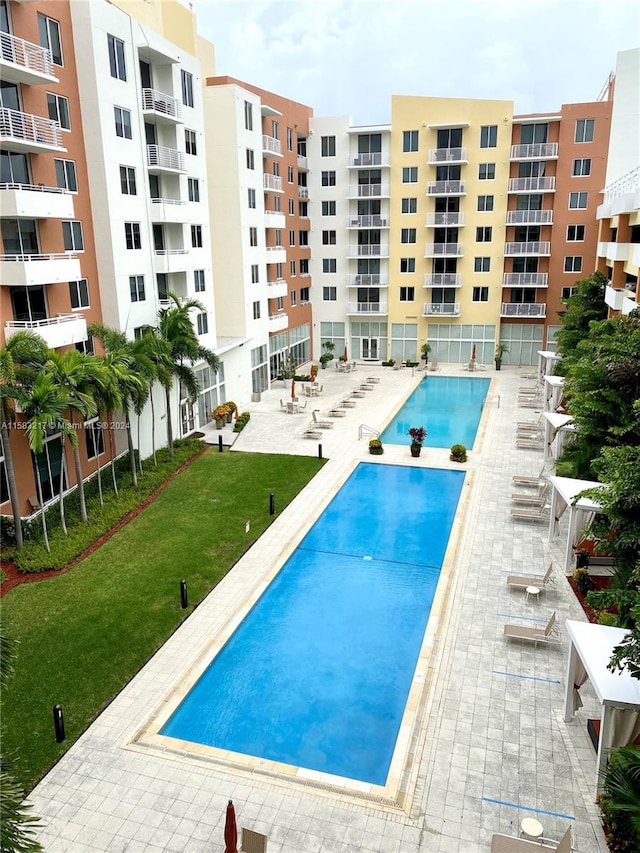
498	365
415	450
219	423
230	417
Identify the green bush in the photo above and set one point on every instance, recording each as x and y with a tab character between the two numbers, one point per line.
583	582
389	363
620	802
375	447
241	421
458	453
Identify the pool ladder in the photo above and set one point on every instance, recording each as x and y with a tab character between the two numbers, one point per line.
363	430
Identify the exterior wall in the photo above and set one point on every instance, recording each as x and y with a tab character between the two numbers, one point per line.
623	149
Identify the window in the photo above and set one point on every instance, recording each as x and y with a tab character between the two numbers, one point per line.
187	88
293	299
567	292
584	130
573	263
116	58
190	142
409	140
486	171
328	146
304	266
304	295
409	174
481	264
489	136
407	294
248	115
303	208
292	238
277	237
49	31
533	133
328	179
136	288
94	438
255	274
194	189
202	323
253	236
581	167
250	159
79	294
485	203
59	110
128	180
329	265
132	235
289	139
66	175
575	233
329	294
328	238
408	235
409	205
578	201
480	294
276	169
123	122
303	237
278	270
290	174
292	268
198	281
292	207
483	235
72	234
407	264
251	198
328	208
275	130
256	310
196	236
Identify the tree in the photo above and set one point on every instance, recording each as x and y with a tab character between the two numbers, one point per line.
23	352
626	655
152	353
584	305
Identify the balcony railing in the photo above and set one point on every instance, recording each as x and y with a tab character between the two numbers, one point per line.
274	219
368	280
30	57
532	185
529	217
534	151
525	279
303	192
161	157
273	182
523	309
447	155
170	252
278	322
534	248
28	270
368	190
158	102
367	250
35	201
442	220
303	162
443	250
448	309
368	221
443	279
271	145
276	288
377	158
60	331
445	188
26	128
367	308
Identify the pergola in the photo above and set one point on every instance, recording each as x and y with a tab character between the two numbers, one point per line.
564	491
546	362
557	426
618	692
553	386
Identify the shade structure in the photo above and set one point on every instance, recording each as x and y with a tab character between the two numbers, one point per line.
231	830
554	423
564	495
293	389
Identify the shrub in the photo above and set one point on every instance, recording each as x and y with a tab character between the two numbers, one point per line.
412	363
389	363
583	582
418	435
458	453
620	802
375	447
241	421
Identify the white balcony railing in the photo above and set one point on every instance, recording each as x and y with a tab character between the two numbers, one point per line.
368	280
368	250
523	309
163	158
529	217
271	145
443	220
368	190
535	151
303	162
448	155
368	221
278	322
164	105
30	130
374	159
31	58
443	279
525	279
29	270
443	250
532	185
60	331
367	308
35	201
531	248
273	182
445	188
303	192
276	288
448	309
274	219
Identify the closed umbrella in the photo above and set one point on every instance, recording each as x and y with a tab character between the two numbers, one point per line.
293	389
345	353
473	353
230	830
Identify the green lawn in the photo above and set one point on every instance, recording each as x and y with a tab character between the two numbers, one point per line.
83	635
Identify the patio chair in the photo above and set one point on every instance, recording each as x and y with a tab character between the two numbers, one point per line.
532	442
310	432
531	482
533	514
529	402
434	366
536	498
373	379
336	413
510	844
548	634
320	424
523	581
347	403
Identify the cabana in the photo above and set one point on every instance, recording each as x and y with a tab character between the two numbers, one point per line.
617	692
547	361
553	387
556	427
563	495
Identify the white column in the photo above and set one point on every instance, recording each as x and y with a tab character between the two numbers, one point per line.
568	689
552	512
603	752
571	535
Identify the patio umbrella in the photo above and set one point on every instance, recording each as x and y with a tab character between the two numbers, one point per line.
293	389
230	830
345	353
473	353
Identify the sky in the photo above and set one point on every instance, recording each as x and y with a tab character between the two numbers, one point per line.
347	57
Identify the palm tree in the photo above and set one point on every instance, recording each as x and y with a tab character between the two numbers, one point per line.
21	354
153	354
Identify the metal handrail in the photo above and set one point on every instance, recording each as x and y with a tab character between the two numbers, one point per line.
25	259
26	53
38	188
19	125
364	429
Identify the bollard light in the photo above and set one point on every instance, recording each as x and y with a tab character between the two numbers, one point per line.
58	723
220	443
272	504
319	451
184	597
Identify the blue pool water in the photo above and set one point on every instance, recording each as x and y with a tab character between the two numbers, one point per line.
317	674
448	406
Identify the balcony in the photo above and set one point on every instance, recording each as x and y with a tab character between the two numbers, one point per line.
276	289
164	108
443	279
363	161
529	217
274	219
28	270
614	251
271	146
446	309
29	134
163	159
369	191
367	308
513	250
368	250
535	151
35	202
276	255
442	220
444	188
447	155
171	260
523	309
60	331
443	250
368	280
303	192
525	279
272	184
24	62
303	163
532	185
278	322
368	221
170	210
614	297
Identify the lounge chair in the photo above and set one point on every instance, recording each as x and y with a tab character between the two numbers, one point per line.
531	482
310	432
336	413
510	844
347	403
434	366
533	443
533	514
523	581
535	498
373	379
320	424
529	402
548	634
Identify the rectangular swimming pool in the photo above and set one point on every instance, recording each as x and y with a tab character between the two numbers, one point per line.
448	406
318	673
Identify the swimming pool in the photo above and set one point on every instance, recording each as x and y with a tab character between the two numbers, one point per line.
318	673
448	406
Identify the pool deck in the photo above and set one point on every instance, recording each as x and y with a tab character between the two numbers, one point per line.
490	744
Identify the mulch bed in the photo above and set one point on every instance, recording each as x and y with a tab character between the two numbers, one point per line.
600	582
13	575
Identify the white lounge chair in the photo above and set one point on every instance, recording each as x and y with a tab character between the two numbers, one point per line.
548	634
526	514
336	413
537	498
310	432
510	844
320	424
530	442
531	482
523	581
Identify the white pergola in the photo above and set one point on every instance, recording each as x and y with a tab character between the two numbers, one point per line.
553	386
557	426
618	692
546	362
563	496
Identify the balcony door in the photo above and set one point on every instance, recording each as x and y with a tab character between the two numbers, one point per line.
29	304
20	237
368	300
370	348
